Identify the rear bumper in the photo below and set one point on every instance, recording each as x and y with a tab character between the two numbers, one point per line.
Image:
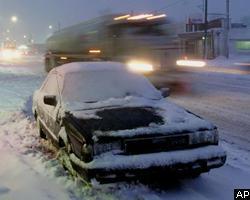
175	162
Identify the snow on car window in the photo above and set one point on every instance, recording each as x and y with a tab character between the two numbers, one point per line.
93	86
51	86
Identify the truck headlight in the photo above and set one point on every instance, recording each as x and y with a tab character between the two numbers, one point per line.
100	148
191	63
140	67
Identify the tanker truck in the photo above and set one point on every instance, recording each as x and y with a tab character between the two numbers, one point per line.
121	38
140	41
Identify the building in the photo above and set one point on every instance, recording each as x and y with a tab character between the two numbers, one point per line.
239	39
192	40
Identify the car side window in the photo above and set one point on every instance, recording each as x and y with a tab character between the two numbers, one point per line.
51	87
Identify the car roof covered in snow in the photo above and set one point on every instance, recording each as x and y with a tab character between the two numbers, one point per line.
88	66
99	81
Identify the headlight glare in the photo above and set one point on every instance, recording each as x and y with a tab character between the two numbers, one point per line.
139	66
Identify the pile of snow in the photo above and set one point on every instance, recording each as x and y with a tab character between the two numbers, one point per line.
23	163
237	156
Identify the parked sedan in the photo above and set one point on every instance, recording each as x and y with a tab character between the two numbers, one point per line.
114	122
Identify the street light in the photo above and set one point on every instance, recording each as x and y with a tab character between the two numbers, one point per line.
24	36
50	26
14	19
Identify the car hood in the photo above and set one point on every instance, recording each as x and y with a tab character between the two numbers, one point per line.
121	118
132	116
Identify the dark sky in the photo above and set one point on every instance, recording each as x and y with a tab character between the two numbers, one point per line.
36	15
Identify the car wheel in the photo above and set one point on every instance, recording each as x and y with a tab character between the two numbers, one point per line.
87	153
65	144
68	147
40	131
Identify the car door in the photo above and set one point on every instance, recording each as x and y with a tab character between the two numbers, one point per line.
49	113
55	119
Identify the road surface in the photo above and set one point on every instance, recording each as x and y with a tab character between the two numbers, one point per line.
222	98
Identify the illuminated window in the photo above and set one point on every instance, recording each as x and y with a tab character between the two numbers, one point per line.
243	45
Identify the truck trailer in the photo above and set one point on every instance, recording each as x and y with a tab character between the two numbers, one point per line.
122	38
140	41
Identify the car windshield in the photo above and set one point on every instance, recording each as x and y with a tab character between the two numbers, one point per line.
93	86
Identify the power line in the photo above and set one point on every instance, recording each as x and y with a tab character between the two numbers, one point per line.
169	5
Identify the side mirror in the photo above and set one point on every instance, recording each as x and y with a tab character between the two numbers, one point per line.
165	92
50	100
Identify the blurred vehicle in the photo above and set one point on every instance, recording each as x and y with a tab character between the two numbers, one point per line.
140	41
114	123
24	50
9	51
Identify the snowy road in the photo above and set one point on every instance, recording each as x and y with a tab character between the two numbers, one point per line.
224	99
28	170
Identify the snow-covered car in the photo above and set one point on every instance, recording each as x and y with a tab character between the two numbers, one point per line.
114	122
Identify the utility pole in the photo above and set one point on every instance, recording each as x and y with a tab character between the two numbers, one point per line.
205	31
58	26
227	28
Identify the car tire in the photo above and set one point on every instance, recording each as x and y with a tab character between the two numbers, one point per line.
68	147
40	131
87	153
65	144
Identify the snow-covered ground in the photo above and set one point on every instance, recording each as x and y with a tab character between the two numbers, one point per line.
29	168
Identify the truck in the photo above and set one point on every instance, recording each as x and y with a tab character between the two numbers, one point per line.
122	38
140	41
